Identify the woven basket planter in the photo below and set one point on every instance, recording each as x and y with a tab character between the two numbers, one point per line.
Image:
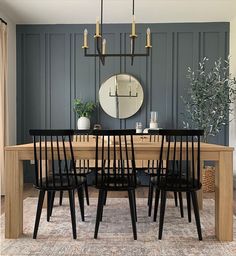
208	179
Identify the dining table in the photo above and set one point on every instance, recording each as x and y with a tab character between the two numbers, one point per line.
144	150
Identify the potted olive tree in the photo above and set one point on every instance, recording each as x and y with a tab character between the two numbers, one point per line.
209	97
83	111
208	105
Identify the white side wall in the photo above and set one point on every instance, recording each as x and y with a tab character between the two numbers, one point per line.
11	78
232	128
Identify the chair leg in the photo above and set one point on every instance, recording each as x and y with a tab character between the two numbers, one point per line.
196	213
105	198
150	200
149	192
38	213
50	198
181	204
52	202
98	217
188	205
132	212
72	212
156	204
135	206
61	197
162	213
86	191
176	199
81	201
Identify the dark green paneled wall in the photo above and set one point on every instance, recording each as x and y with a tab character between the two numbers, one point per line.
52	71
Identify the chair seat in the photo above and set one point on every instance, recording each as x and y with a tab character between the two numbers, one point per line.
59	184
118	182
175	184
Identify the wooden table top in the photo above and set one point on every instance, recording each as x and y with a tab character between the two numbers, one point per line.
141	145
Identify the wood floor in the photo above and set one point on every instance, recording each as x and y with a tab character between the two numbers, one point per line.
142	192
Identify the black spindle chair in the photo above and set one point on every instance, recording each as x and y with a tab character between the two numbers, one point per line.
82	165
151	169
115	169
183	147
53	153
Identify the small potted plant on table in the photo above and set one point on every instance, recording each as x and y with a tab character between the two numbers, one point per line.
84	111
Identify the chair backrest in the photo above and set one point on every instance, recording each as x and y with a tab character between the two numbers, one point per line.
115	160
83	165
180	150
53	153
82	135
151	164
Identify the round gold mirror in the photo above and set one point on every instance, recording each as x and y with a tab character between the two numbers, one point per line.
121	96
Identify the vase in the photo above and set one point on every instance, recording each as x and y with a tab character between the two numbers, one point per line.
83	123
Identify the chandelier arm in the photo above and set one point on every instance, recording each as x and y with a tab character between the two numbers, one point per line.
117	54
132	53
100	55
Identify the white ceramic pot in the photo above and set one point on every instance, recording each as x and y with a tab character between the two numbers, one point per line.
83	123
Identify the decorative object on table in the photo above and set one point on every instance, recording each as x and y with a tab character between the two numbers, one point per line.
84	111
121	96
97	127
153	120
139	127
209	103
101	41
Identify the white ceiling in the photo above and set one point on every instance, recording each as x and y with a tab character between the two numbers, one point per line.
117	11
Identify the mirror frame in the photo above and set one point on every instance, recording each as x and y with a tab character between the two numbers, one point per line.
112	90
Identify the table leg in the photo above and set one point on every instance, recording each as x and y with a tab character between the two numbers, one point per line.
224	197
200	192
14	195
45	201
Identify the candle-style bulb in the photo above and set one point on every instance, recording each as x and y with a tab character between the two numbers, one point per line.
104	46
133	25
97	26
85	39
148	37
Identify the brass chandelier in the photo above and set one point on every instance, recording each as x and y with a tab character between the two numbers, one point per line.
100	42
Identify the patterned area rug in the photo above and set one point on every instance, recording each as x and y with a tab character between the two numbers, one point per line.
115	234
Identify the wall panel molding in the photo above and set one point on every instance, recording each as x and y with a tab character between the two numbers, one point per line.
50	61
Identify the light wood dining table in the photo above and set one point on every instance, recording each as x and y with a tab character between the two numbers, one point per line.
144	150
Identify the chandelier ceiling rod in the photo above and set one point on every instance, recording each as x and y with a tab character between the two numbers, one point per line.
101	42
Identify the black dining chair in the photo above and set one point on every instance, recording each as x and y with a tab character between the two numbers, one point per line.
82	165
53	153
149	168
115	169
183	147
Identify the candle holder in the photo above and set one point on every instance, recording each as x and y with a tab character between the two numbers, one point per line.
153	120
